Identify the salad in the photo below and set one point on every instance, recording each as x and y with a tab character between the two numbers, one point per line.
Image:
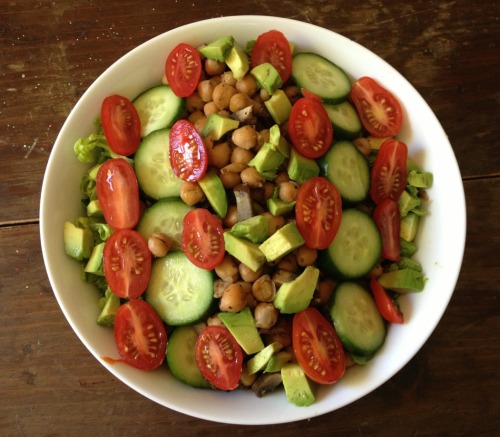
250	220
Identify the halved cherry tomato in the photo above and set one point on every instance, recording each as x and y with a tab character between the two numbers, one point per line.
188	154
387	307
389	172
183	69
274	48
127	263
203	238
388	220
318	212
379	110
121	124
310	128
118	193
317	347
219	357
140	335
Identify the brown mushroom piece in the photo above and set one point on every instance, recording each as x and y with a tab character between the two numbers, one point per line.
266	383
243	202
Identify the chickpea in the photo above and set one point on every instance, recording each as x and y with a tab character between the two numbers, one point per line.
222	95
293	93
251	301
275	222
219	154
214	67
233	299
252	177
268	190
194	102
288	191
363	145
227	270
228	78
230	179
247	274
264	95
288	263
210	108
206	89
215	321
231	218
239	101
281	177
191	193
247	380
245	137
194	116
219	287
240	155
159	244
306	256
200	124
265	315
323	292
281	276
264	289
263	137
247	85
376	271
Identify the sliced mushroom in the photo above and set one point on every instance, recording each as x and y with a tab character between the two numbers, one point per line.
245	115
266	383
243	202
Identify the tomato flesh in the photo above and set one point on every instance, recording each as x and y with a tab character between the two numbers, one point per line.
388	220
188	154
127	263
203	238
389	172
378	109
121	124
183	69
219	357
274	48
387	307
317	347
140	335
310	128
318	212
118	193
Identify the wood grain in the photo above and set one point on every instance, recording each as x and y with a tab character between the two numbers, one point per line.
50	52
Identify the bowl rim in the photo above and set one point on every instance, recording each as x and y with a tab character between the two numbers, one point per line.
126	376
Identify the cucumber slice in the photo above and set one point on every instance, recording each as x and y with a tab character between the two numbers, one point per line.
181	357
356	249
347	168
158	108
165	216
357	320
152	166
345	120
180	292
320	76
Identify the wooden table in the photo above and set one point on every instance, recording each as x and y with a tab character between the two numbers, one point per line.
51	51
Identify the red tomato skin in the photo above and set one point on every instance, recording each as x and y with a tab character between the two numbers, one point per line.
388	220
127	263
203	239
322	357
318	222
273	47
136	323
387	307
379	110
389	172
188	154
118	193
183	69
310	128
217	344
121	124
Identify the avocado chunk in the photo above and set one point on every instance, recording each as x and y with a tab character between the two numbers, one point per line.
237	61
279	142
282	242
277	206
78	242
402	281
214	191
295	296
244	251
267	161
407	203
111	305
279	106
94	209
408	248
420	179
219	125
219	49
94	264
267	77
300	168
254	229
297	387
409	226
261	359
277	361
242	326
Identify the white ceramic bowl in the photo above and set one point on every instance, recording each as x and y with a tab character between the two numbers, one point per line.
441	239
